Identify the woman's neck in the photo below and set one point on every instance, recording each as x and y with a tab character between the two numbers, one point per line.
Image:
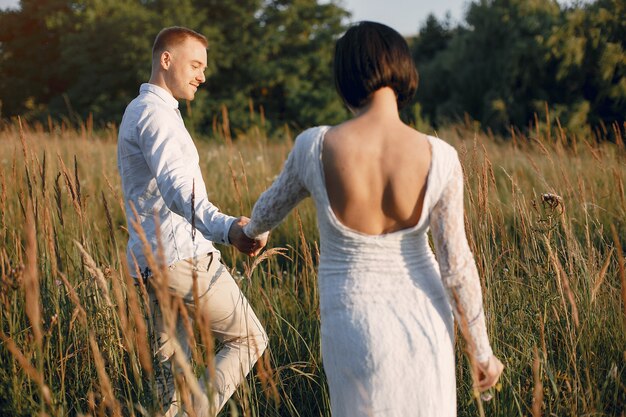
382	104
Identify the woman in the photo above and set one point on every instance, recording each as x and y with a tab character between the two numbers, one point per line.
378	185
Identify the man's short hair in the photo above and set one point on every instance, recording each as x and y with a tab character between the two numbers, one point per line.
172	36
370	56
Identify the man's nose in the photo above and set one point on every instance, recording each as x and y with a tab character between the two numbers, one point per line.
201	78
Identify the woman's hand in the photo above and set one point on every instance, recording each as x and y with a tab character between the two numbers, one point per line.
488	373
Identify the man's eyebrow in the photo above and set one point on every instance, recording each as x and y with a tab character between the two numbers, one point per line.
195	61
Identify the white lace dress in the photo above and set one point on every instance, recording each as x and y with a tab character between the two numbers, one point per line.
386	317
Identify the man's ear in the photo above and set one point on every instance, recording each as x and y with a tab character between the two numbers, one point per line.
166	60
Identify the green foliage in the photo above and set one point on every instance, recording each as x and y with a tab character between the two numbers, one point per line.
79	57
512	57
30	46
105	56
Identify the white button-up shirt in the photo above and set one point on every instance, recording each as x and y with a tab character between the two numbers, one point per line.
159	166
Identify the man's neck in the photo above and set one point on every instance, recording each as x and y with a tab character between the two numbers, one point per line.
158	80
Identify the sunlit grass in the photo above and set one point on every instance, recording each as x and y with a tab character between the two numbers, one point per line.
546	218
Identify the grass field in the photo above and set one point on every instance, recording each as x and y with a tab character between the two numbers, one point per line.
546	218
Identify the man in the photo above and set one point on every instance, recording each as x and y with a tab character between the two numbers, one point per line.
165	195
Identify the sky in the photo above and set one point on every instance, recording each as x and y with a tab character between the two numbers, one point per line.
405	16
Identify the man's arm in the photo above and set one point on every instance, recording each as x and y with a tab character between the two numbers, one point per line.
173	161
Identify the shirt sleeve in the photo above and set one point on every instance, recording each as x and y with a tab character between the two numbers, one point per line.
457	265
173	160
277	201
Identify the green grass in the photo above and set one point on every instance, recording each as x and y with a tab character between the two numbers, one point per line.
72	326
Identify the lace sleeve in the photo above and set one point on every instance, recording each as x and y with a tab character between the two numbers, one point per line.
456	263
278	200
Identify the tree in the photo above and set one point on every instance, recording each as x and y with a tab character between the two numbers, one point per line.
279	60
105	56
589	54
30	49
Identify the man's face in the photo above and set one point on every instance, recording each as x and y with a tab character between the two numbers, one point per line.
185	68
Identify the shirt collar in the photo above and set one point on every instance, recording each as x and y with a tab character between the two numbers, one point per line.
162	93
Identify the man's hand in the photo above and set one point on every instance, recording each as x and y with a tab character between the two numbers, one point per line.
243	243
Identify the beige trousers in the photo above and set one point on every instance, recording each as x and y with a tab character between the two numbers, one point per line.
231	321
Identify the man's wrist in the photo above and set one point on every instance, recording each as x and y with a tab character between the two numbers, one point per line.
227	226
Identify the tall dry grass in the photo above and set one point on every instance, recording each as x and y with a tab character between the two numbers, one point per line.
546	218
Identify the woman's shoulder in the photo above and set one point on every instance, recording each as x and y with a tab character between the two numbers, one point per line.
445	161
311	134
442	147
309	139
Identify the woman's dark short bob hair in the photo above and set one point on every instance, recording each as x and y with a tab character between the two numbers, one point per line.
370	56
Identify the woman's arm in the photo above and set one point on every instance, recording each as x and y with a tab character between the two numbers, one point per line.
278	200
457	266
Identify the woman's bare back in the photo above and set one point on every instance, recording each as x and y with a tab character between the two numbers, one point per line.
376	174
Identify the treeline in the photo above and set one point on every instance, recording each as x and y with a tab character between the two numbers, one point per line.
270	61
267	58
511	58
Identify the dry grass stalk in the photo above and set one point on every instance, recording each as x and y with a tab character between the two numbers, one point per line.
95	272
564	281
248	270
620	186
592	151
109	220
183	316
140	331
77	183
50	239
71	187
236	184
3	200
57	198
226	127
621	268
304	248
31	277
268	377
79	311
185	396
185	367
600	278
538	387
203	324
108	395
42	172
26	366
127	328
244	175
115	193
617	132
158	278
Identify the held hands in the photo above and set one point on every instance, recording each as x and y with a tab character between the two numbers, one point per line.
243	243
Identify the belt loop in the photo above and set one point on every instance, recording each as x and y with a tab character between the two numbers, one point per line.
210	254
